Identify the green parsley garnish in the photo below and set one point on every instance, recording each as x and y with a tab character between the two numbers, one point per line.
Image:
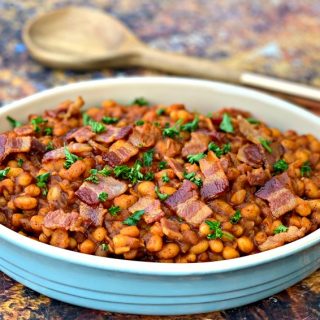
36	121
192	177
70	158
96	127
42	181
105	172
109	120
148	157
103	196
3	173
165	177
149	176
139	123
226	124
160	112
281	228
191	126
161	196
48	131
133	174
134	219
14	123
122	171
215	226
20	162
219	151
140	102
173	131
114	210
104	247
49	146
266	144
93	175
280	166
305	169
236	217
162	165
86	119
253	121
195	158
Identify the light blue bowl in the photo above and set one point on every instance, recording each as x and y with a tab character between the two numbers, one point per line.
152	288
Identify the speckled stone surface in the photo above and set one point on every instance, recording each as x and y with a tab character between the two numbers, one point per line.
276	37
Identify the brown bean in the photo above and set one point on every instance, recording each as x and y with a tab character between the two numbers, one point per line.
169	251
25	202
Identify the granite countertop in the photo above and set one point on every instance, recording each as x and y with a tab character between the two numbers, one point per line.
278	38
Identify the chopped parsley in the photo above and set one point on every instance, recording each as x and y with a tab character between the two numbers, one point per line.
48	131
139	123
93	175
20	162
70	158
165	177
103	196
191	126
192	177
160	112
3	173
134	219
149	176
281	228
236	217
96	127
105	172
280	166
49	146
266	144
195	158
253	121
122	171
133	174
140	102
161	196
219	151
173	131
215	226
104	247
162	165
305	169
35	123
148	157
86	119
14	123
226	124
42	181
114	210
110	120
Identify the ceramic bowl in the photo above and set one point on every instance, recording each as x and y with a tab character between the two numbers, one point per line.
154	288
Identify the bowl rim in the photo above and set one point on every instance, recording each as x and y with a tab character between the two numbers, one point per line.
152	268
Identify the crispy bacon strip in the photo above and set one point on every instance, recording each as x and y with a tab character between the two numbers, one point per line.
89	192
81	135
145	136
168	147
65	220
171	229
276	191
13	145
113	134
251	155
250	132
24	130
120	152
198	143
93	214
176	166
152	209
292	234
216	181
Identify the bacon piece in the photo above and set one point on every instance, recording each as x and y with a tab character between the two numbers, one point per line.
94	214
186	204
13	145
258	177
176	166
89	192
152	209
60	154
198	143
3	140
37	146
168	147
25	130
270	158
292	234
251	155
65	220
81	135
216	181
250	131
113	134
145	136
276	191
171	229
120	152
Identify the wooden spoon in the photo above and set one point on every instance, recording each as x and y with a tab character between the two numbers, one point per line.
82	38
